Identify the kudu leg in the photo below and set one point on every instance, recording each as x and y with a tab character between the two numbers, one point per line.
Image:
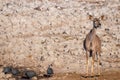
92	69
99	70
87	62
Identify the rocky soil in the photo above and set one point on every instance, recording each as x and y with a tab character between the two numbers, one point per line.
106	75
37	33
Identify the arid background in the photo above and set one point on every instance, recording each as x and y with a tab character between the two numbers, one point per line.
37	33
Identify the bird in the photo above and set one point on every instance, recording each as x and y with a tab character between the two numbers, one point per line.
24	79
49	71
29	74
15	71
7	69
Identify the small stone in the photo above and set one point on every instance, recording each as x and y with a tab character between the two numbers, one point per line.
2	75
106	29
8	75
34	78
11	78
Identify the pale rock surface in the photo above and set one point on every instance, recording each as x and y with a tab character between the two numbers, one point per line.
37	33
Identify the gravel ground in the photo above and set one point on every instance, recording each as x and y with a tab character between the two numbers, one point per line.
37	33
105	75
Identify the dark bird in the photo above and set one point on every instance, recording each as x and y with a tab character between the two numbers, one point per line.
49	71
29	74
7	69
15	71
24	79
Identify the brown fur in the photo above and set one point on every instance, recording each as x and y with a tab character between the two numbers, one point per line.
92	45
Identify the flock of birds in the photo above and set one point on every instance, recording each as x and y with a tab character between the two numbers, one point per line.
26	74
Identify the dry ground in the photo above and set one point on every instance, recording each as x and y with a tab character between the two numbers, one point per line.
108	75
44	32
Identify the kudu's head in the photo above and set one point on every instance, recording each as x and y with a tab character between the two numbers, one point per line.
96	21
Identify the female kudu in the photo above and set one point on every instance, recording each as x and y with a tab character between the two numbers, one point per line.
92	45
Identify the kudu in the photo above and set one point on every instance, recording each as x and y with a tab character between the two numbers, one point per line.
92	45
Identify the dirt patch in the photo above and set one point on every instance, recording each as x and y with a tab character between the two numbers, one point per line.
108	75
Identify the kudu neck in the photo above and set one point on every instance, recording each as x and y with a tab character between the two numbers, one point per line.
92	34
93	31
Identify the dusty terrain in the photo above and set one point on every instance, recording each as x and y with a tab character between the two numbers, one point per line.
108	75
37	33
105	75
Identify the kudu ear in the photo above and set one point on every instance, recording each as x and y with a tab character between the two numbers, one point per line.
102	17
90	17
